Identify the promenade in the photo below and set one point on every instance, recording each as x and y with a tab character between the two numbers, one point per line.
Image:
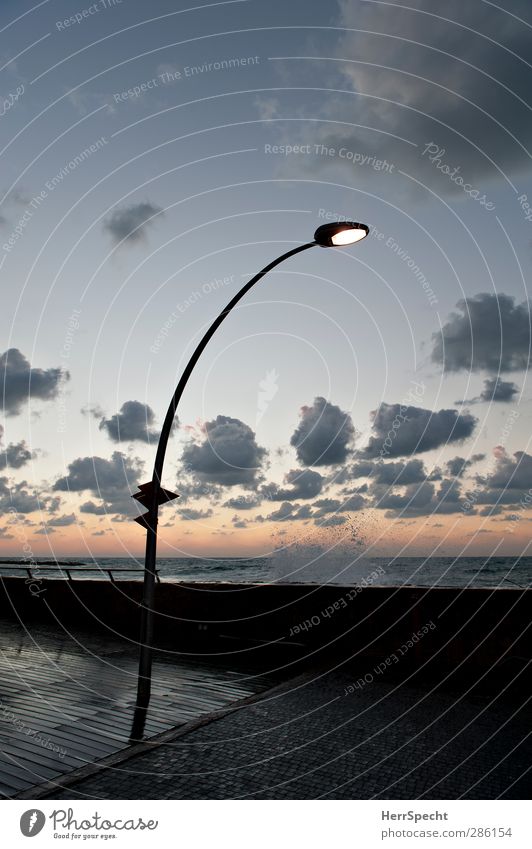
67	699
307	739
398	693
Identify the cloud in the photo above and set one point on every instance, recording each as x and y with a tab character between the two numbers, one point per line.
324	435
324	506
130	223
21	383
133	423
412	497
191	515
228	455
489	332
411	471
62	521
14	455
303	483
331	521
94	509
53	504
237	522
400	433
509	483
495	389
408	76
419	499
302	512
511	472
93	410
459	465
243	502
490	510
285	511
17	498
112	480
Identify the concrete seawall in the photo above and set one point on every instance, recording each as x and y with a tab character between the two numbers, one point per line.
477	628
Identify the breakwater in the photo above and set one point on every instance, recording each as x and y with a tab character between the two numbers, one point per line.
479	627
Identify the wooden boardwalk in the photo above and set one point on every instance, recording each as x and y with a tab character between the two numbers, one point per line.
67	700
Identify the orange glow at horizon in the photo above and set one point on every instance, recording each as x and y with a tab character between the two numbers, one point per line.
447	535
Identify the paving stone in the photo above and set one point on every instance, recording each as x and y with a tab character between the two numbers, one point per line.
387	741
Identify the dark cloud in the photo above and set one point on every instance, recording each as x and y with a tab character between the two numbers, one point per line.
511	473
133	423
324	506
228	455
411	498
324	435
498	390
420	499
18	498
331	521
113	481
412	471
191	515
401	431
243	502
14	455
302	483
459	465
21	383
318	510
62	521
239	523
53	504
285	511
303	512
92	507
509	484
490	510
361	469
421	74
130	223
489	332
495	389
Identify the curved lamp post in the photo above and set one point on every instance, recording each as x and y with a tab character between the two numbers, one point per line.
152	494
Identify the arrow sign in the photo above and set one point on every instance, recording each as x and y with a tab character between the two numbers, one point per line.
145	497
143	521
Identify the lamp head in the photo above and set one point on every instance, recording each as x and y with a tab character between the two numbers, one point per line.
338	234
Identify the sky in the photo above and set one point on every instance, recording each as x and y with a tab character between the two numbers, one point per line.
154	157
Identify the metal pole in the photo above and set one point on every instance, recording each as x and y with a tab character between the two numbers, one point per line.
146	623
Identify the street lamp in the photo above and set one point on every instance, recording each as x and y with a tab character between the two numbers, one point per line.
334	234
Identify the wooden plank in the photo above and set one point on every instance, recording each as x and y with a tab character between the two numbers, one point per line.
82	697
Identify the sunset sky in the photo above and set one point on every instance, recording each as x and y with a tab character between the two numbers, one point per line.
154	157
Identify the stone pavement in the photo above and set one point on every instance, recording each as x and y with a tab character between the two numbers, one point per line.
309	740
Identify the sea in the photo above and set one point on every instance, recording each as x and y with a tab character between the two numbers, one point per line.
487	571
